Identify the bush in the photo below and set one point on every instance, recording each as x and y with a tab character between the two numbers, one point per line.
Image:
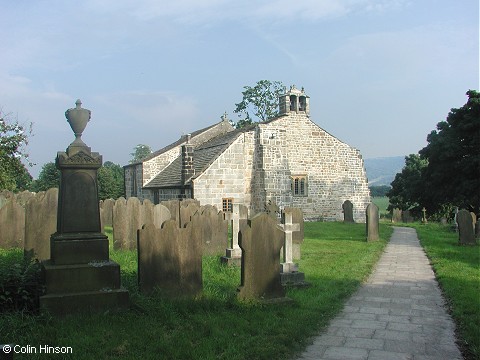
20	282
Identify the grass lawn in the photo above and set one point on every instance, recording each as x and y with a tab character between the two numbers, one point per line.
335	258
382	202
457	270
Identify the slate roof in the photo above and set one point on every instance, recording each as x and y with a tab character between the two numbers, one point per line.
180	141
203	155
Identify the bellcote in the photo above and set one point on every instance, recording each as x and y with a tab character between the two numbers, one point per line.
294	101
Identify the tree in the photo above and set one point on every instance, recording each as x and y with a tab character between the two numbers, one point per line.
407	187
49	177
14	175
260	100
110	181
140	152
453	153
379	190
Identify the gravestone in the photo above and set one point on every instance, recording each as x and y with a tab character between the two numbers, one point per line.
260	240
120	224
187	210
372	222
477	229
347	207
272	209
455	223
23	197
289	274
106	212
424	216
40	224
79	277
298	236
146	212
396	215
466	235
406	217
214	229
160	215
174	207
233	253
12	224
474	220
4	196
170	258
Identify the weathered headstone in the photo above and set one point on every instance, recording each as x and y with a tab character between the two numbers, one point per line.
455	223
160	215
214	230
466	235
298	236
372	222
187	210
233	253
260	240
40	224
347	207
424	216
106	212
272	209
396	215
146	213
170	259
120	224
12	224
79	275
174	207
289	274
406	217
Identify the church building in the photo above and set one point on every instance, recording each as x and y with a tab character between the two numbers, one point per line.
288	160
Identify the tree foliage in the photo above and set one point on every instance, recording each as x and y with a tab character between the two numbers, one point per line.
406	191
110	181
260	100
140	152
14	175
379	190
49	177
446	172
453	153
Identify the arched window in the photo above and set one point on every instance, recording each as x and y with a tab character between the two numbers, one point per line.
302	103
293	103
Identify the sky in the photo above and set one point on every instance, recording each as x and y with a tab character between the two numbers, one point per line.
380	73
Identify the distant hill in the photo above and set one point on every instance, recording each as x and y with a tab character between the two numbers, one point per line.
382	171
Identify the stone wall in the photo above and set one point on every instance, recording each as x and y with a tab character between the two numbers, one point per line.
258	165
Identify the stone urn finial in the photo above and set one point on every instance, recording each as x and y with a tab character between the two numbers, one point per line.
78	119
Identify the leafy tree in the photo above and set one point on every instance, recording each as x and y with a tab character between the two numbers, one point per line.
140	152
49	177
260	100
380	190
453	153
110	181
407	187
13	141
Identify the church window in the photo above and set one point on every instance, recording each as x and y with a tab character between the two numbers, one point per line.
227	204
299	185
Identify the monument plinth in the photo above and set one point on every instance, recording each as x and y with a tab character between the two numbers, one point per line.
79	275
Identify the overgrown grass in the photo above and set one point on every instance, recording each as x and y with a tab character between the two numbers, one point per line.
458	273
335	258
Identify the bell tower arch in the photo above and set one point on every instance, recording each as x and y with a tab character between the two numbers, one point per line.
294	101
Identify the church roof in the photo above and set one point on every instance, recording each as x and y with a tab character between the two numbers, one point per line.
203	155
180	141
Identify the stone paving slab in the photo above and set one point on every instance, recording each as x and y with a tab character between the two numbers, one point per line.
399	313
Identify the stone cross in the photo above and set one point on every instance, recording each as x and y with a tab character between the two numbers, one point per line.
233	253
424	219
288	228
272	209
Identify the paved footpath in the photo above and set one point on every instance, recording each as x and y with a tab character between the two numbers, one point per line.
397	314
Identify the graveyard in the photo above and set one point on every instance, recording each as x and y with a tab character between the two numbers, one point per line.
129	278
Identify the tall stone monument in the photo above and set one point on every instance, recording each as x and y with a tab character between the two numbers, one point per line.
372	222
79	275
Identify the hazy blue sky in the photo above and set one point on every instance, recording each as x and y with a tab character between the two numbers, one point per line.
380	73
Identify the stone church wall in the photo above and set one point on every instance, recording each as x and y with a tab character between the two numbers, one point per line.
229	176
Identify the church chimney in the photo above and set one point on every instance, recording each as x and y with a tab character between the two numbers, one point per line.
187	161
